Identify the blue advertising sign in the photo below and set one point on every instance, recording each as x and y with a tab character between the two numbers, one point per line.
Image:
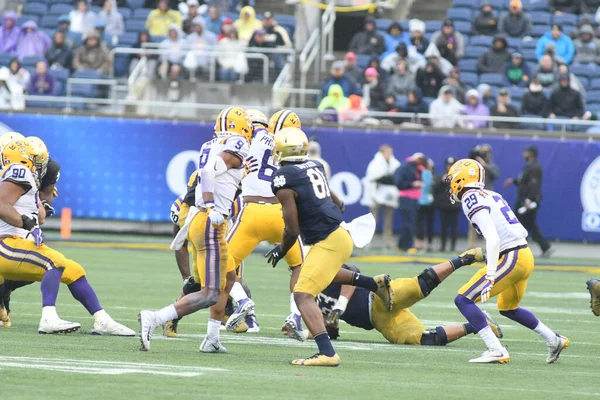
132	169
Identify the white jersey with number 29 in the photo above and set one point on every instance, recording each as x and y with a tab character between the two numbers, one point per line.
258	182
510	231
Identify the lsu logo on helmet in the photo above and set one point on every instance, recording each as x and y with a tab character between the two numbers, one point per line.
283	119
233	121
19	152
10	137
465	173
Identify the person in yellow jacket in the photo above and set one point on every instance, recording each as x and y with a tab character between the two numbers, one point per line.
247	23
158	20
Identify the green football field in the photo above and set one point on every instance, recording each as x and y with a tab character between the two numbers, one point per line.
34	366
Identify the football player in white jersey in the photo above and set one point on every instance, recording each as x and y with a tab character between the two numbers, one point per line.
220	171
509	263
261	218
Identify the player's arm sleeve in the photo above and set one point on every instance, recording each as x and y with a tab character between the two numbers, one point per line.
486	226
238	146
215	166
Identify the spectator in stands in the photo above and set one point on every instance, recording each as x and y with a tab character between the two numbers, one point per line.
486	95
475	108
259	39
486	22
414	60
564	48
394	36
445	109
93	54
417	38
559	7
449	42
574	81
273	36
587	47
59	55
449	210
565	101
19	74
192	13
415	103
368	41
355	111
493	60
391	107
274	29
105	37
82	19
226	27
198	39
171	62
515	23
503	108
214	20
546	71
535	102
402	81
160	19
432	54
373	91
151	59
11	93
113	20
352	70
339	77
430	79
375	63
247	23
589	6
232	58
33	42
453	80
335	99
9	33
64	23
426	213
516	72
42	82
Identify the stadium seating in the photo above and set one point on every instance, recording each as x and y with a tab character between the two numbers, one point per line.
587	71
380	23
474	52
467	65
516	93
5	59
31	61
463	27
470	4
59	9
27	17
469	78
35	8
565	19
484	41
125	12
594	84
498	5
141	13
492	79
128	39
432	26
459	14
541	18
135	25
49	21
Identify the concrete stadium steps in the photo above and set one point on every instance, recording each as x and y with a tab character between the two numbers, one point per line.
430	10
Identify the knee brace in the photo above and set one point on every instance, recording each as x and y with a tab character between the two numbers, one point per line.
428	280
434	337
191	286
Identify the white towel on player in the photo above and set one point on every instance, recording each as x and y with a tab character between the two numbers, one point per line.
183	232
361	229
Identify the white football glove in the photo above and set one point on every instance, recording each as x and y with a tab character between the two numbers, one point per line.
216	218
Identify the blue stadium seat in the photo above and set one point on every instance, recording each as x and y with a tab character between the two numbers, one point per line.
474	52
529	44
463	27
590	17
292	28
459	14
30	61
484	41
541	18
401	101
35	8
121	64
585	70
284	19
516	104
469	78
128	39
157	39
470	4
514	43
467	65
516	93
427	101
49	31
565	19
567	29
231	14
95	9
585	82
529	55
141	13
49	21
59	9
135	25
5	59
595	84
380	23
125	12
362	60
27	17
498	5
133	4
85	89
538	31
432	26
60	74
533	125
593	98
535	5
492	79
59	88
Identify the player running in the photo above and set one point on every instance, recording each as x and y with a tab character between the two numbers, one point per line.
509	263
311	210
357	307
261	216
220	172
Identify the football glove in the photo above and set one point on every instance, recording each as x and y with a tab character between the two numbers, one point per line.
487	289
274	255
334	317
55	192
216	218
251	165
49	209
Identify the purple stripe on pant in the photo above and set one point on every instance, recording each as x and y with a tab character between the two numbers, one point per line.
208	253
217	260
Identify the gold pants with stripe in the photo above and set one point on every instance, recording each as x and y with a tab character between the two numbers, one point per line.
512	274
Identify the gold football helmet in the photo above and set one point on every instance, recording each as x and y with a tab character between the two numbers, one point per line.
291	145
257	117
41	154
10	137
233	121
18	152
283	119
465	173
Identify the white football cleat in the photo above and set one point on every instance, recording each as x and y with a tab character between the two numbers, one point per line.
562	343
243	308
56	325
147	327
212	346
492	357
110	327
294	323
252	323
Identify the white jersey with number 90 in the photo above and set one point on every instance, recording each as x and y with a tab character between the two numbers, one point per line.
260	161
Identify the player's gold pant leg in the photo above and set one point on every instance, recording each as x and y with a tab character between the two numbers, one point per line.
399	326
184	210
323	262
272	231
211	251
73	271
243	238
513	268
21	260
407	292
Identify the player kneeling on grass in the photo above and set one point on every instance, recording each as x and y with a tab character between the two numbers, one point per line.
24	256
509	263
358	308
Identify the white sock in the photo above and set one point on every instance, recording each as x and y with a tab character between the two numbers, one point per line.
293	306
238	293
49	312
490	339
546	333
101	316
165	315
213	328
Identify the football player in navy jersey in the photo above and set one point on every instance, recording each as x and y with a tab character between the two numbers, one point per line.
311	210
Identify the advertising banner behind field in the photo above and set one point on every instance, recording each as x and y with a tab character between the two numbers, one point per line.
130	169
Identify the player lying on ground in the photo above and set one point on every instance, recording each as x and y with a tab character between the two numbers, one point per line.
593	286
509	263
311	210
358	308
24	256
